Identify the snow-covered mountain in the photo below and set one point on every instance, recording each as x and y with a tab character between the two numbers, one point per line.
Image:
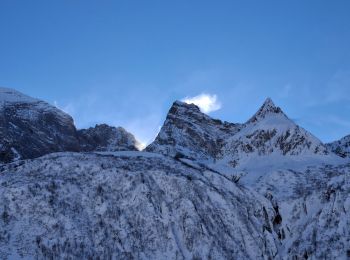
205	189
189	133
341	147
270	133
307	185
30	128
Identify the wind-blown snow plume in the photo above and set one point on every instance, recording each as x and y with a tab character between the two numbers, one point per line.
206	102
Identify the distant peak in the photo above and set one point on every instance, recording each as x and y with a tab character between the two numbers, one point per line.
268	107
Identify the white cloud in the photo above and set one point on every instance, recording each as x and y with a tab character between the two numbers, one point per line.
206	102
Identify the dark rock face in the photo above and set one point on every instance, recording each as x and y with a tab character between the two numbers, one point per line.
30	128
341	147
106	138
189	132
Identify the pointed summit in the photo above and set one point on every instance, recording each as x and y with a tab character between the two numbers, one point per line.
269	103
267	108
191	133
182	108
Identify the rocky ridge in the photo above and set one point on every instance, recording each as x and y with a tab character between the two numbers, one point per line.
189	133
341	147
30	128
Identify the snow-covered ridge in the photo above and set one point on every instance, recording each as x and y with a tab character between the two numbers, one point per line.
189	133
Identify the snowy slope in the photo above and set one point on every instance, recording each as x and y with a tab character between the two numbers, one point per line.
128	205
144	205
314	206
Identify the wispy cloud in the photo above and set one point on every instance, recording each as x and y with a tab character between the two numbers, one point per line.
206	102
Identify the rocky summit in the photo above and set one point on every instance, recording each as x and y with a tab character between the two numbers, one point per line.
189	132
204	189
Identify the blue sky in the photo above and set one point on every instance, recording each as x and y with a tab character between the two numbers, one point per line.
125	62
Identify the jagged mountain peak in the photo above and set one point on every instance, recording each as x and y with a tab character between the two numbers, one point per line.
196	135
181	108
267	108
190	132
